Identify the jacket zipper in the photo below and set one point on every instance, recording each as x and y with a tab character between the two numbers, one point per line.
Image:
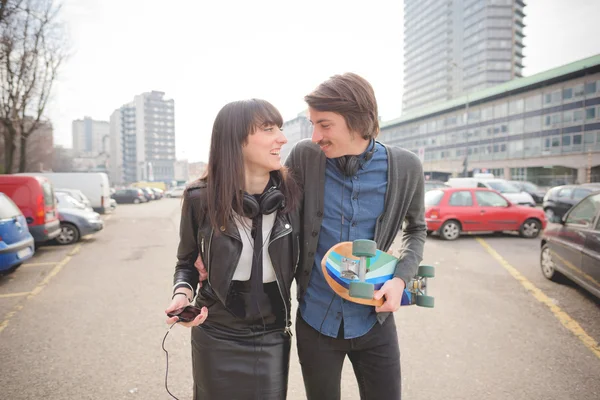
287	328
208	257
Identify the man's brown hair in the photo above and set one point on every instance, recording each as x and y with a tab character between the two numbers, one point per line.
353	98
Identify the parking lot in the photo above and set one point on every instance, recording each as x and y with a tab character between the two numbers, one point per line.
86	321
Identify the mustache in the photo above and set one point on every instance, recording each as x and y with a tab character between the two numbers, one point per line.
323	142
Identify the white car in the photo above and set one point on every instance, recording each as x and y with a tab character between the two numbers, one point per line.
177	191
511	192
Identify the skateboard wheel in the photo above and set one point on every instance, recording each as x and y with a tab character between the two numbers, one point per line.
362	290
426	271
364	248
425	301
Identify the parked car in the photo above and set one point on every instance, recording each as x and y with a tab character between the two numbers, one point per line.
451	211
77	195
34	196
131	195
429	185
75	220
16	243
158	193
571	248
148	193
95	185
560	199
534	190
177	191
515	195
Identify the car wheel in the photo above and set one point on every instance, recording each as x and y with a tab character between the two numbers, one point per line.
530	228
549	214
450	230
548	268
136	201
68	234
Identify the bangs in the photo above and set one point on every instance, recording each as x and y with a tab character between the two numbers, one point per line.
266	114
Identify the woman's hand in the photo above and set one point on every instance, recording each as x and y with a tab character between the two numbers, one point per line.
181	301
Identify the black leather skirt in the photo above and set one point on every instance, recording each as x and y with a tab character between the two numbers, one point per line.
240	356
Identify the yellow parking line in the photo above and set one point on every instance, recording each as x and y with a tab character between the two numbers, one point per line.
562	316
40	286
18	294
41	264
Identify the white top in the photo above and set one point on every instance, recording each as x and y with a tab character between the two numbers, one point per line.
244	267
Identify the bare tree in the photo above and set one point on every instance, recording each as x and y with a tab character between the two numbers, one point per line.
32	48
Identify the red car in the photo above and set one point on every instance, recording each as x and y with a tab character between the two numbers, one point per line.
451	211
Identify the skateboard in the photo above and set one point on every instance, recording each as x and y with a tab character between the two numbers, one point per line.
354	270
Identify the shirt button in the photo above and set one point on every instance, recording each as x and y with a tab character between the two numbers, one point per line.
310	254
319	213
354	197
314	233
355	177
354	224
306	273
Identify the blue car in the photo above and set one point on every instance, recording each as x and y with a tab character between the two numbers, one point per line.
16	243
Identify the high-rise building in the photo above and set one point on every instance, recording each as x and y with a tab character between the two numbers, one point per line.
453	47
142	140
90	137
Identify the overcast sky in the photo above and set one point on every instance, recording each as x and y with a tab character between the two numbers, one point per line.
204	54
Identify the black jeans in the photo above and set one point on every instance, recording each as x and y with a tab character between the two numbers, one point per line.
375	359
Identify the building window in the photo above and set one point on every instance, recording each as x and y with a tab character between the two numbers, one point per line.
590	113
567	94
590	88
533	103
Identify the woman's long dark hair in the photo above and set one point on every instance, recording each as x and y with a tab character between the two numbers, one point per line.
225	175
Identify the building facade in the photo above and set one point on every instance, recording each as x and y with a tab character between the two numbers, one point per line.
90	137
295	130
142	139
91	145
544	128
39	151
453	47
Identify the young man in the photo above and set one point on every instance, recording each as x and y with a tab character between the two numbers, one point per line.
354	188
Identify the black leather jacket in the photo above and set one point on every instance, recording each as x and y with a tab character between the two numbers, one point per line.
221	252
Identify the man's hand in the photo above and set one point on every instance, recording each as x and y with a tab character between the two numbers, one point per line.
392	291
199	264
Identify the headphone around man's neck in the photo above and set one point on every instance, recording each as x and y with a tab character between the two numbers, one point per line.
349	165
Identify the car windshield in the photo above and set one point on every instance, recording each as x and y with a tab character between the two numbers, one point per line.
503	187
433	197
66	201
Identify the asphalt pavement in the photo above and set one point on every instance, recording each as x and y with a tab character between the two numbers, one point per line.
87	321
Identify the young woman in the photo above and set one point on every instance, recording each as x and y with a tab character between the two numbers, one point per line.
240	220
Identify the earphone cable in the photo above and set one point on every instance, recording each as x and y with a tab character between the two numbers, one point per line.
167	354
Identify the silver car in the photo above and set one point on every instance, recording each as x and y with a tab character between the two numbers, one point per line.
75	219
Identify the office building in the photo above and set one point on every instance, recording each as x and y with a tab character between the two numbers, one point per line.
453	47
142	140
543	128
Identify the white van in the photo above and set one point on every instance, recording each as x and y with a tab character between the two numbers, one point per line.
507	190
95	186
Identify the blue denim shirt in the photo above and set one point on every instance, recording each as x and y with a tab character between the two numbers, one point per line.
361	197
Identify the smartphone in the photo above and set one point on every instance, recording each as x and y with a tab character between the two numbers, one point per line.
185	314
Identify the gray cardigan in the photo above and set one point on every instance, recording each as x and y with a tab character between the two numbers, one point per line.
404	200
